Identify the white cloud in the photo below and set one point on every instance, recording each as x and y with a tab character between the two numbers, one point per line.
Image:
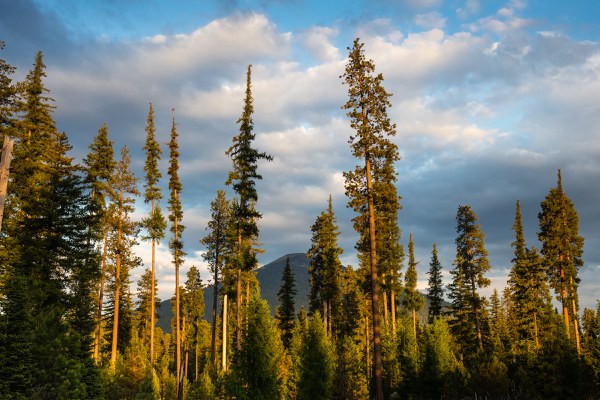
318	41
431	20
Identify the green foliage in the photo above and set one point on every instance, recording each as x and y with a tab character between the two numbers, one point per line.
316	360
286	312
257	361
412	298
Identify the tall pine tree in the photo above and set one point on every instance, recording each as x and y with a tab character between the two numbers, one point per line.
286	312
413	300
562	248
367	108
243	178
155	223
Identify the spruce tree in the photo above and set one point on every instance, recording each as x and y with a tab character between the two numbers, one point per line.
367	108
325	267
155	223
218	248
193	315
123	238
528	289
562	248
99	171
144	307
468	276
435	291
8	97
243	178
176	244
286	312
316	371
257	367
413	300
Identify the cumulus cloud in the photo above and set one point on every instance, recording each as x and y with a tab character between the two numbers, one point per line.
430	20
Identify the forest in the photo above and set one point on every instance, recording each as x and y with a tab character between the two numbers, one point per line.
73	325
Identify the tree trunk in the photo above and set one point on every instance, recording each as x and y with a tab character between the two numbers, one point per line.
224	341
575	321
385	308
536	331
477	321
196	361
113	353
177	316
414	318
238	296
4	169
152	298
393	301
100	299
367	347
374	283
213	339
563	293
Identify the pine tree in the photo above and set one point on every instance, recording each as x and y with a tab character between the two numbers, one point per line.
562	248
471	264
413	300
218	248
99	169
144	307
325	267
435	292
286	312
155	223
367	109
193	315
176	244
8	97
528	289
257	367
124	232
316	372
243	180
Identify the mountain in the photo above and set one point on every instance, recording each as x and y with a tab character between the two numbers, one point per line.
269	278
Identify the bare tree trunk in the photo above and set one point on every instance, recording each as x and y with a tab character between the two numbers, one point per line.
536	331
374	283
414	318
575	320
213	339
367	347
100	299
4	170
563	293
238	297
393	301
224	341
385	308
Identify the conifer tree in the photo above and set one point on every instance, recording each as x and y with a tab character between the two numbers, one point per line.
257	367
155	223
435	292
325	267
99	169
316	372
528	289
193	311
286	312
125	189
218	248
176	244
144	307
413	300
471	264
243	178
562	248
8	98
367	109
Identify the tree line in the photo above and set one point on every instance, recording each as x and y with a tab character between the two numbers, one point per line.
72	328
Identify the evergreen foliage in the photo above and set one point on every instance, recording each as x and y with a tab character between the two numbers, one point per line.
286	312
435	291
316	371
413	300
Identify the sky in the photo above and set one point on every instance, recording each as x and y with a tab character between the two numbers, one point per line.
490	99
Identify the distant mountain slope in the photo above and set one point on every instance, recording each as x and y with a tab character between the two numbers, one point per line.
269	277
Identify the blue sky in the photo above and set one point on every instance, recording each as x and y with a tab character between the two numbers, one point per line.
490	99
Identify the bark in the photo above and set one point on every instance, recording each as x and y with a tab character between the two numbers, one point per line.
100	300
152	301
177	316
393	301
575	321
213	339
374	285
4	170
113	353
238	297
563	293
224	341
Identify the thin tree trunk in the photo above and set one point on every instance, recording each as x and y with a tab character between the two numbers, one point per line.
575	321
196	361
7	148
393	301
113	353
183	365
414	318
325	325
100	299
477	321
367	347
536	331
563	293
224	341
238	297
385	308
177	316
213	339
374	283
152	294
